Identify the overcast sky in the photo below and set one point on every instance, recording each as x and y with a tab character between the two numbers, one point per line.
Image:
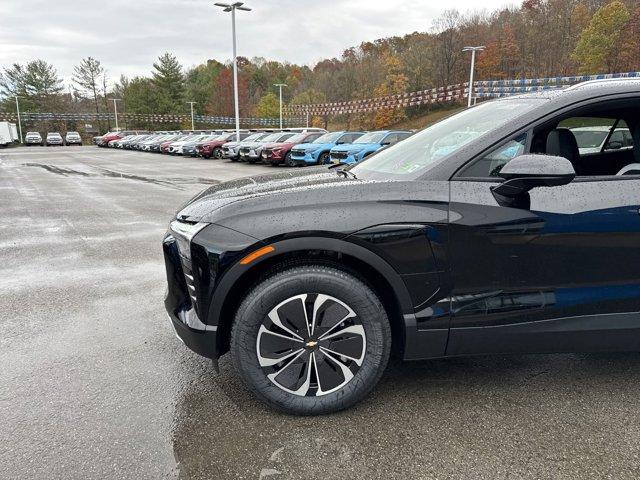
128	35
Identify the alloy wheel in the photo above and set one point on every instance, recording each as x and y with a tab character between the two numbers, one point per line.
311	345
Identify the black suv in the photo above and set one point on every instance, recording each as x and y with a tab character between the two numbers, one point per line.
488	232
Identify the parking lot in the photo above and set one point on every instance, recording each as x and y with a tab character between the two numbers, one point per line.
94	383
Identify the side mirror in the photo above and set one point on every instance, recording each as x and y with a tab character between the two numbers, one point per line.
384	144
526	172
614	145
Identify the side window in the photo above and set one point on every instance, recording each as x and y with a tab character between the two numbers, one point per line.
390	139
491	164
590	132
312	137
621	138
347	138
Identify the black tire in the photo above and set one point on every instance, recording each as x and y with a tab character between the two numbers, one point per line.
217	153
323	159
288	161
364	333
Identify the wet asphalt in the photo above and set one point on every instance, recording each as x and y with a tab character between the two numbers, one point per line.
94	384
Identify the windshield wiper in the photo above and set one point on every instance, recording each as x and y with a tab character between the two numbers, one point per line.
346	173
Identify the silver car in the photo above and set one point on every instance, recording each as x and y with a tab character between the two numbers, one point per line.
73	138
33	138
54	138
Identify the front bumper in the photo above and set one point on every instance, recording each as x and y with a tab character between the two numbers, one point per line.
306	158
202	342
230	153
349	158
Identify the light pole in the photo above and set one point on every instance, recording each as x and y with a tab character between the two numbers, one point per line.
473	51
232	8
192	124
19	121
115	110
280	85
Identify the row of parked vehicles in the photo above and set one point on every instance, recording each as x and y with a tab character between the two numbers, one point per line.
290	147
52	139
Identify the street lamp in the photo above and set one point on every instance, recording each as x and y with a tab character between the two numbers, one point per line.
232	8
115	110
473	51
192	124
280	85
19	121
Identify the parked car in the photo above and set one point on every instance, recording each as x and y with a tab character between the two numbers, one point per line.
231	150
592	139
251	152
366	145
317	152
213	146
492	248
73	138
176	148
190	148
280	153
111	136
33	138
54	138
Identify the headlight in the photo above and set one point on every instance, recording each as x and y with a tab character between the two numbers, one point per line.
183	233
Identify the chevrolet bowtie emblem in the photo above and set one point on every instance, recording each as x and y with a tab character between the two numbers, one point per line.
312	344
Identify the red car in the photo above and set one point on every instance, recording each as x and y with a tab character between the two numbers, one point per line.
277	153
213	148
108	137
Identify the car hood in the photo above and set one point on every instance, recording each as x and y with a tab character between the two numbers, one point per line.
355	147
313	199
280	145
311	147
252	144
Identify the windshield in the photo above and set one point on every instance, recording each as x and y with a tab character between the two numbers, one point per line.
589	138
298	138
371	137
254	137
328	138
411	158
271	138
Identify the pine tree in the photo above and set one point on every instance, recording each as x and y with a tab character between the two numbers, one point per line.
169	80
87	76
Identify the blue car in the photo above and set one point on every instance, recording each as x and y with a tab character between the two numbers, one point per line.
317	152
366	145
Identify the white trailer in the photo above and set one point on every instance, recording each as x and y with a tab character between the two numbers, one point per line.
8	134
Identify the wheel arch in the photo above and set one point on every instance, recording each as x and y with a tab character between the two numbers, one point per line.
375	271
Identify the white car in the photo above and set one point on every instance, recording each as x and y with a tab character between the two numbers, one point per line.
54	138
591	139
73	138
33	138
176	147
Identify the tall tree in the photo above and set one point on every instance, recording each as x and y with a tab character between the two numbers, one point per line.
87	76
595	51
169	80
37	82
268	106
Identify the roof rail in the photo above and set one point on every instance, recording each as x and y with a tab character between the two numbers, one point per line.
602	80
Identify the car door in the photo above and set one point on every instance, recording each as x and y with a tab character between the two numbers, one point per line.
560	276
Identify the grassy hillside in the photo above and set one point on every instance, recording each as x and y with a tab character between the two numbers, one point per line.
415	123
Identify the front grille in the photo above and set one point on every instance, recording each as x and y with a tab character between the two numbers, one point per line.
245	150
339	155
191	288
297	153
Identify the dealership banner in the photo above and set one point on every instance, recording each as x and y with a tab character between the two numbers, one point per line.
148	118
481	89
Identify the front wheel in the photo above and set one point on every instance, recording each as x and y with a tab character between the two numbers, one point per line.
217	153
323	159
288	161
311	339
